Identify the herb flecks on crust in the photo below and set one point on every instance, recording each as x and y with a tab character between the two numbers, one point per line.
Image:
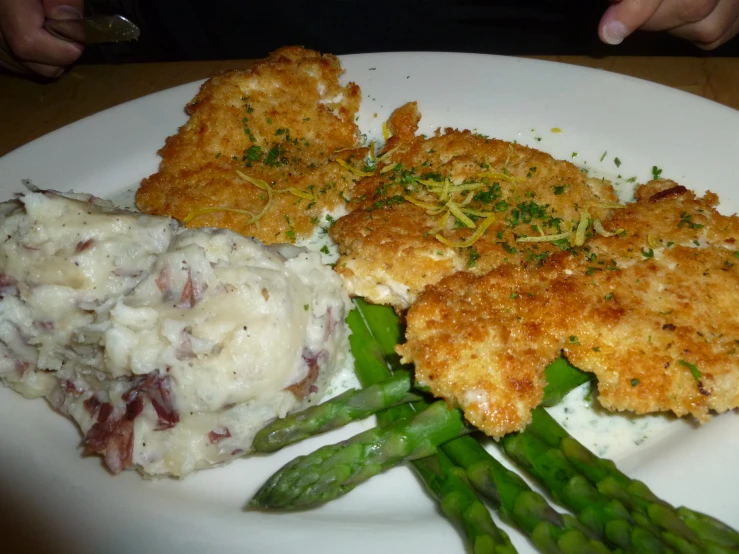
257	153
430	200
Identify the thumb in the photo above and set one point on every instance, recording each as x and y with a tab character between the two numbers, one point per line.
64	9
624	17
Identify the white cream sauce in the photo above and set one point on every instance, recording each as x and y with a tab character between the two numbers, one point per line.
607	434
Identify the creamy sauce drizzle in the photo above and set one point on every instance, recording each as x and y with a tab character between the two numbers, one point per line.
607	434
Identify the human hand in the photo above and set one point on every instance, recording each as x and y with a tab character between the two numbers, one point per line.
707	23
25	46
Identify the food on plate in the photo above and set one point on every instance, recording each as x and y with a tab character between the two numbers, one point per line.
169	347
611	511
650	310
456	201
263	149
172	347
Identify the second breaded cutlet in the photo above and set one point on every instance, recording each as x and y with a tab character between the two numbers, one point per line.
653	312
279	125
418	216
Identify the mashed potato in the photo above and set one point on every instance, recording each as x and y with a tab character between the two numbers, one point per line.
168	347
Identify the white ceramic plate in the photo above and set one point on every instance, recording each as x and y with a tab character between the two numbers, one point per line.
69	504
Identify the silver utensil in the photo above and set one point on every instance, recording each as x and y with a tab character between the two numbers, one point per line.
96	29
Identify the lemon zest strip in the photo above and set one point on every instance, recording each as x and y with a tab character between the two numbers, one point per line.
197	213
598	226
608	206
470	241
470	211
262	185
456	212
354	170
582	228
385	131
419	203
544	238
297	192
502	177
387	154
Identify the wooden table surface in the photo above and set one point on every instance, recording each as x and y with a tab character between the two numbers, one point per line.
31	109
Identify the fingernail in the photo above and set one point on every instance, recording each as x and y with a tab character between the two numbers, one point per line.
66	12
614	32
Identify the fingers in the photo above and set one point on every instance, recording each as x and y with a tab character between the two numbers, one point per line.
64	9
28	44
716	28
624	17
707	23
675	13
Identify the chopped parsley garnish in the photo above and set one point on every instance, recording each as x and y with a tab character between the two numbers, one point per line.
617	162
634	382
574	340
693	369
647	253
253	154
656	172
609	296
509	249
276	156
687	221
559	189
603	157
325	249
393	200
500	206
474	255
487	196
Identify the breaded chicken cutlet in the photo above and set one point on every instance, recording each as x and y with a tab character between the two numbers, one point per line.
453	202
257	154
653	312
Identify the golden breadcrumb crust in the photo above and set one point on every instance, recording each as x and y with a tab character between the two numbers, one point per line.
281	121
652	312
388	243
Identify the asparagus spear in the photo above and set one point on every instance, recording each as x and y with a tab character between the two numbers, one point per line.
549	530
606	517
518	505
681	524
448	484
522	506
375	332
335	469
351	405
305	481
561	378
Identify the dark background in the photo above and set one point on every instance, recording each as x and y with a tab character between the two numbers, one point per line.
234	29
